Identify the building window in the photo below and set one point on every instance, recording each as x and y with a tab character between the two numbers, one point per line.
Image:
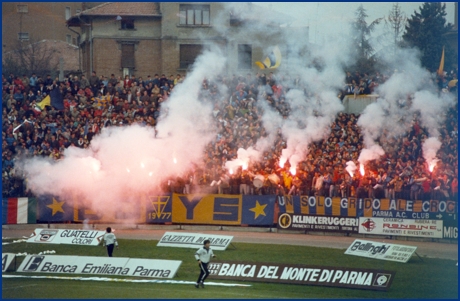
68	38
194	14
127	24
67	13
23	9
244	56
127	56
77	11
188	54
23	36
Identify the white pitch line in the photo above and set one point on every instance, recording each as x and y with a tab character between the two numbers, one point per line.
123	280
14	242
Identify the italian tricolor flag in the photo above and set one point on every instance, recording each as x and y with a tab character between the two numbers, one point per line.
19	211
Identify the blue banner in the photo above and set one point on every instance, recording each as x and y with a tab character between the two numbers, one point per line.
354	207
53	209
258	210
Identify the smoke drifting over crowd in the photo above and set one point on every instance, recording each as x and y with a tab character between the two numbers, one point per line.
407	93
123	163
313	102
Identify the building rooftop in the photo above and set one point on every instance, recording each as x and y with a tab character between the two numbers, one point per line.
118	9
124	9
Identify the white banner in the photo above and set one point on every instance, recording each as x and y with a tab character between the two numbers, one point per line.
194	240
7	259
63	236
155	268
379	250
401	227
93	265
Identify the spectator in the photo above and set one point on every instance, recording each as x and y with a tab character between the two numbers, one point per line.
237	120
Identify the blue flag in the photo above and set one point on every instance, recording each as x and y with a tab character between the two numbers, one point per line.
57	100
53	209
258	210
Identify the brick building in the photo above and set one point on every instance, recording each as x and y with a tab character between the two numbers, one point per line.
31	22
164	37
35	37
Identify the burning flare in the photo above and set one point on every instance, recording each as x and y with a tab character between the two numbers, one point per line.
292	170
361	169
432	164
282	161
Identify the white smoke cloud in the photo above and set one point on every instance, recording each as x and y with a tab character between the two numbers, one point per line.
431	108
351	168
123	163
244	157
312	114
372	153
272	122
319	71
409	90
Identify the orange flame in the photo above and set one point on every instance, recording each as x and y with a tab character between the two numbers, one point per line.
282	161
361	169
293	170
431	166
231	171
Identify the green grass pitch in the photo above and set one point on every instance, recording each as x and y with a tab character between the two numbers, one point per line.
416	279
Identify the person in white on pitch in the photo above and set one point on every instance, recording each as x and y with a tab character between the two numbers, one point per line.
203	256
110	241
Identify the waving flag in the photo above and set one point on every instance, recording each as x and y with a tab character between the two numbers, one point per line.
57	100
441	64
272	61
45	102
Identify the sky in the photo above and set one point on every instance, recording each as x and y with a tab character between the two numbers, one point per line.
331	18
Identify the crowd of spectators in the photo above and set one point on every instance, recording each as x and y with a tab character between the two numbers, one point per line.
97	102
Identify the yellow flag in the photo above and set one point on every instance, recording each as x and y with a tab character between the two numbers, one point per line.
272	61
441	64
45	102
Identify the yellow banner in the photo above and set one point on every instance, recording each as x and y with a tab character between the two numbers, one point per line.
207	209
